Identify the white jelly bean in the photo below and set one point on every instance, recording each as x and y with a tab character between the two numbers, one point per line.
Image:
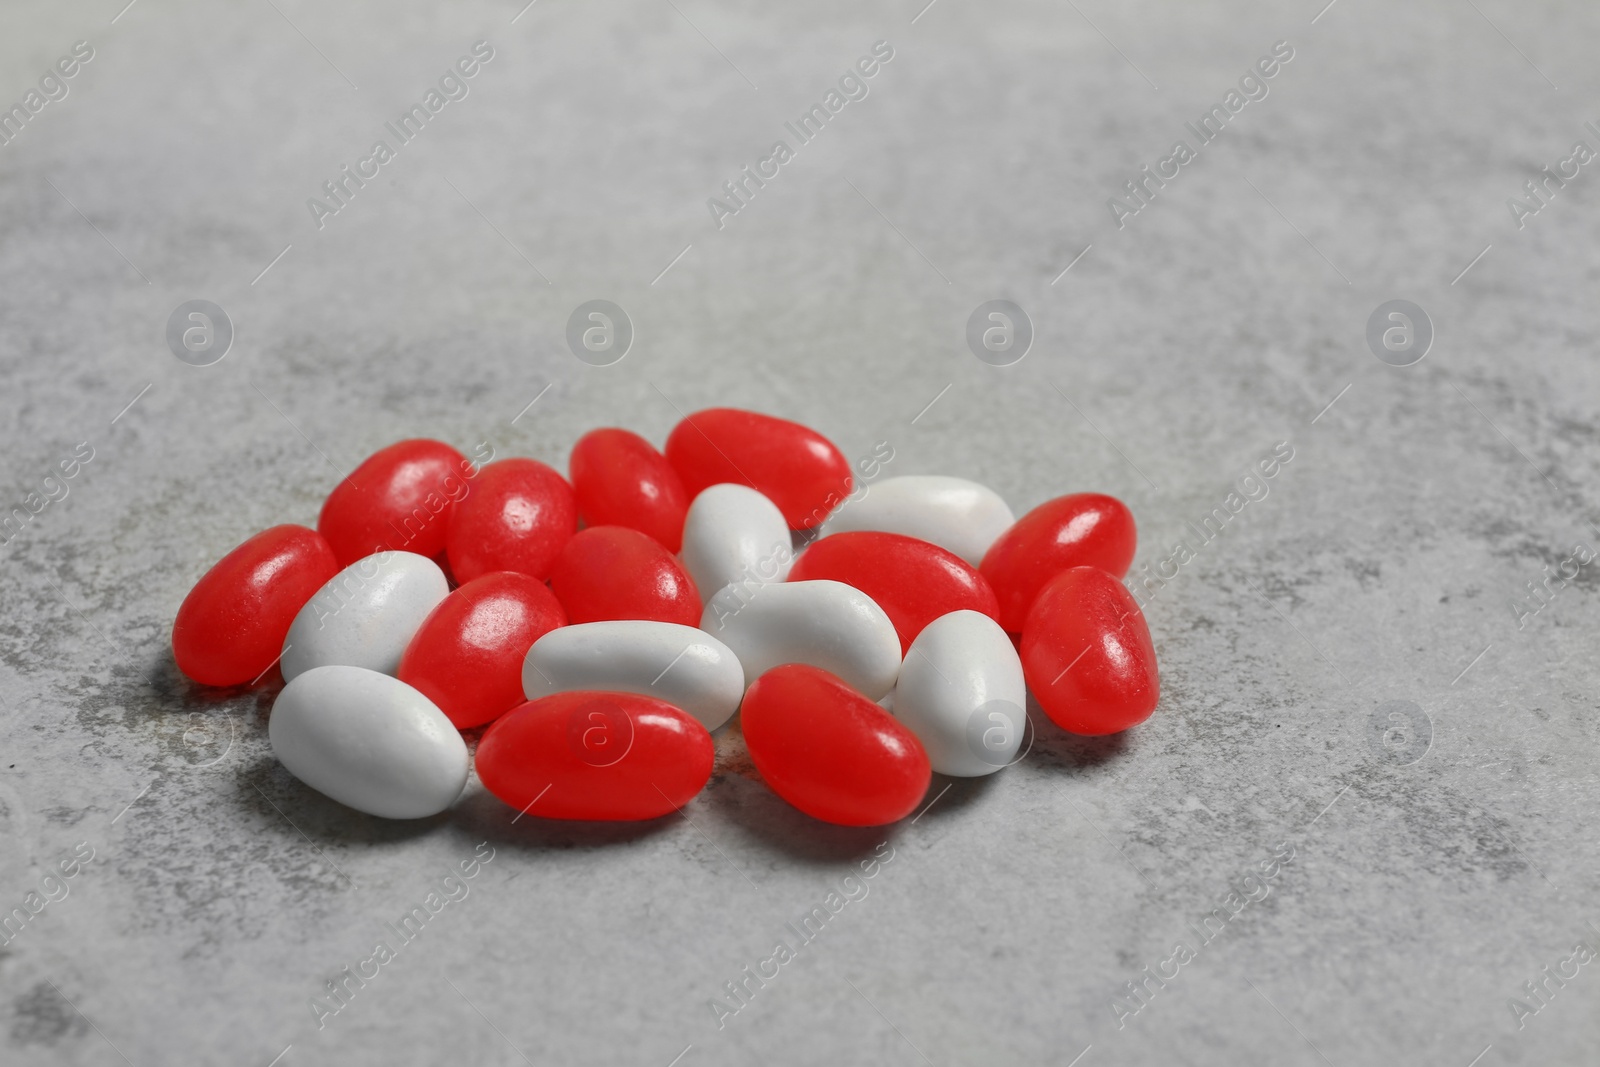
734	534
961	692
826	624
368	741
686	667
957	515
366	614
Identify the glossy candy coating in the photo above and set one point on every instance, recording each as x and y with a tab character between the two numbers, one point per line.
518	517
830	751
1087	656
612	572
368	741
961	692
1080	530
365	615
827	624
401	498
732	533
913	581
595	756
621	480
795	467
683	665
467	655
957	515
230	628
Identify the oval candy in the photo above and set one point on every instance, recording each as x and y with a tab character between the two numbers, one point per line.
824	623
830	751
467	655
961	692
621	480
913	581
794	466
959	516
1079	530
369	741
732	533
400	498
682	665
365	616
518	517
1087	655
595	756
231	627
612	572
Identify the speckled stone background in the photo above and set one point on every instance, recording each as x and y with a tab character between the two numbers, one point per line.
1428	866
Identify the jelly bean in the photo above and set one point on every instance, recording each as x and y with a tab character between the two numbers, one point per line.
365	616
796	467
1080	530
830	751
683	665
734	534
957	515
826	624
369	741
612	572
621	480
231	626
467	655
961	692
401	497
595	756
518	517
1087	656
913	581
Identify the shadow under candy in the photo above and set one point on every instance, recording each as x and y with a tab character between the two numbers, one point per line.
785	829
173	691
948	794
196	725
266	789
1074	751
484	816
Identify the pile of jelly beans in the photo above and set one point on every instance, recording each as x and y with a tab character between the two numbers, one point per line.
600	628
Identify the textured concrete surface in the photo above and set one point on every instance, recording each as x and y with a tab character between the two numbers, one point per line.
1367	734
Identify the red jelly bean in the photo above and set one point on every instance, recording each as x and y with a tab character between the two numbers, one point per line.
467	656
231	626
612	572
518	517
795	467
830	751
401	497
595	756
1080	530
1087	656
621	480
913	581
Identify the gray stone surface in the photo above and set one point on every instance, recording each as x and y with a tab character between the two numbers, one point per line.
1385	564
